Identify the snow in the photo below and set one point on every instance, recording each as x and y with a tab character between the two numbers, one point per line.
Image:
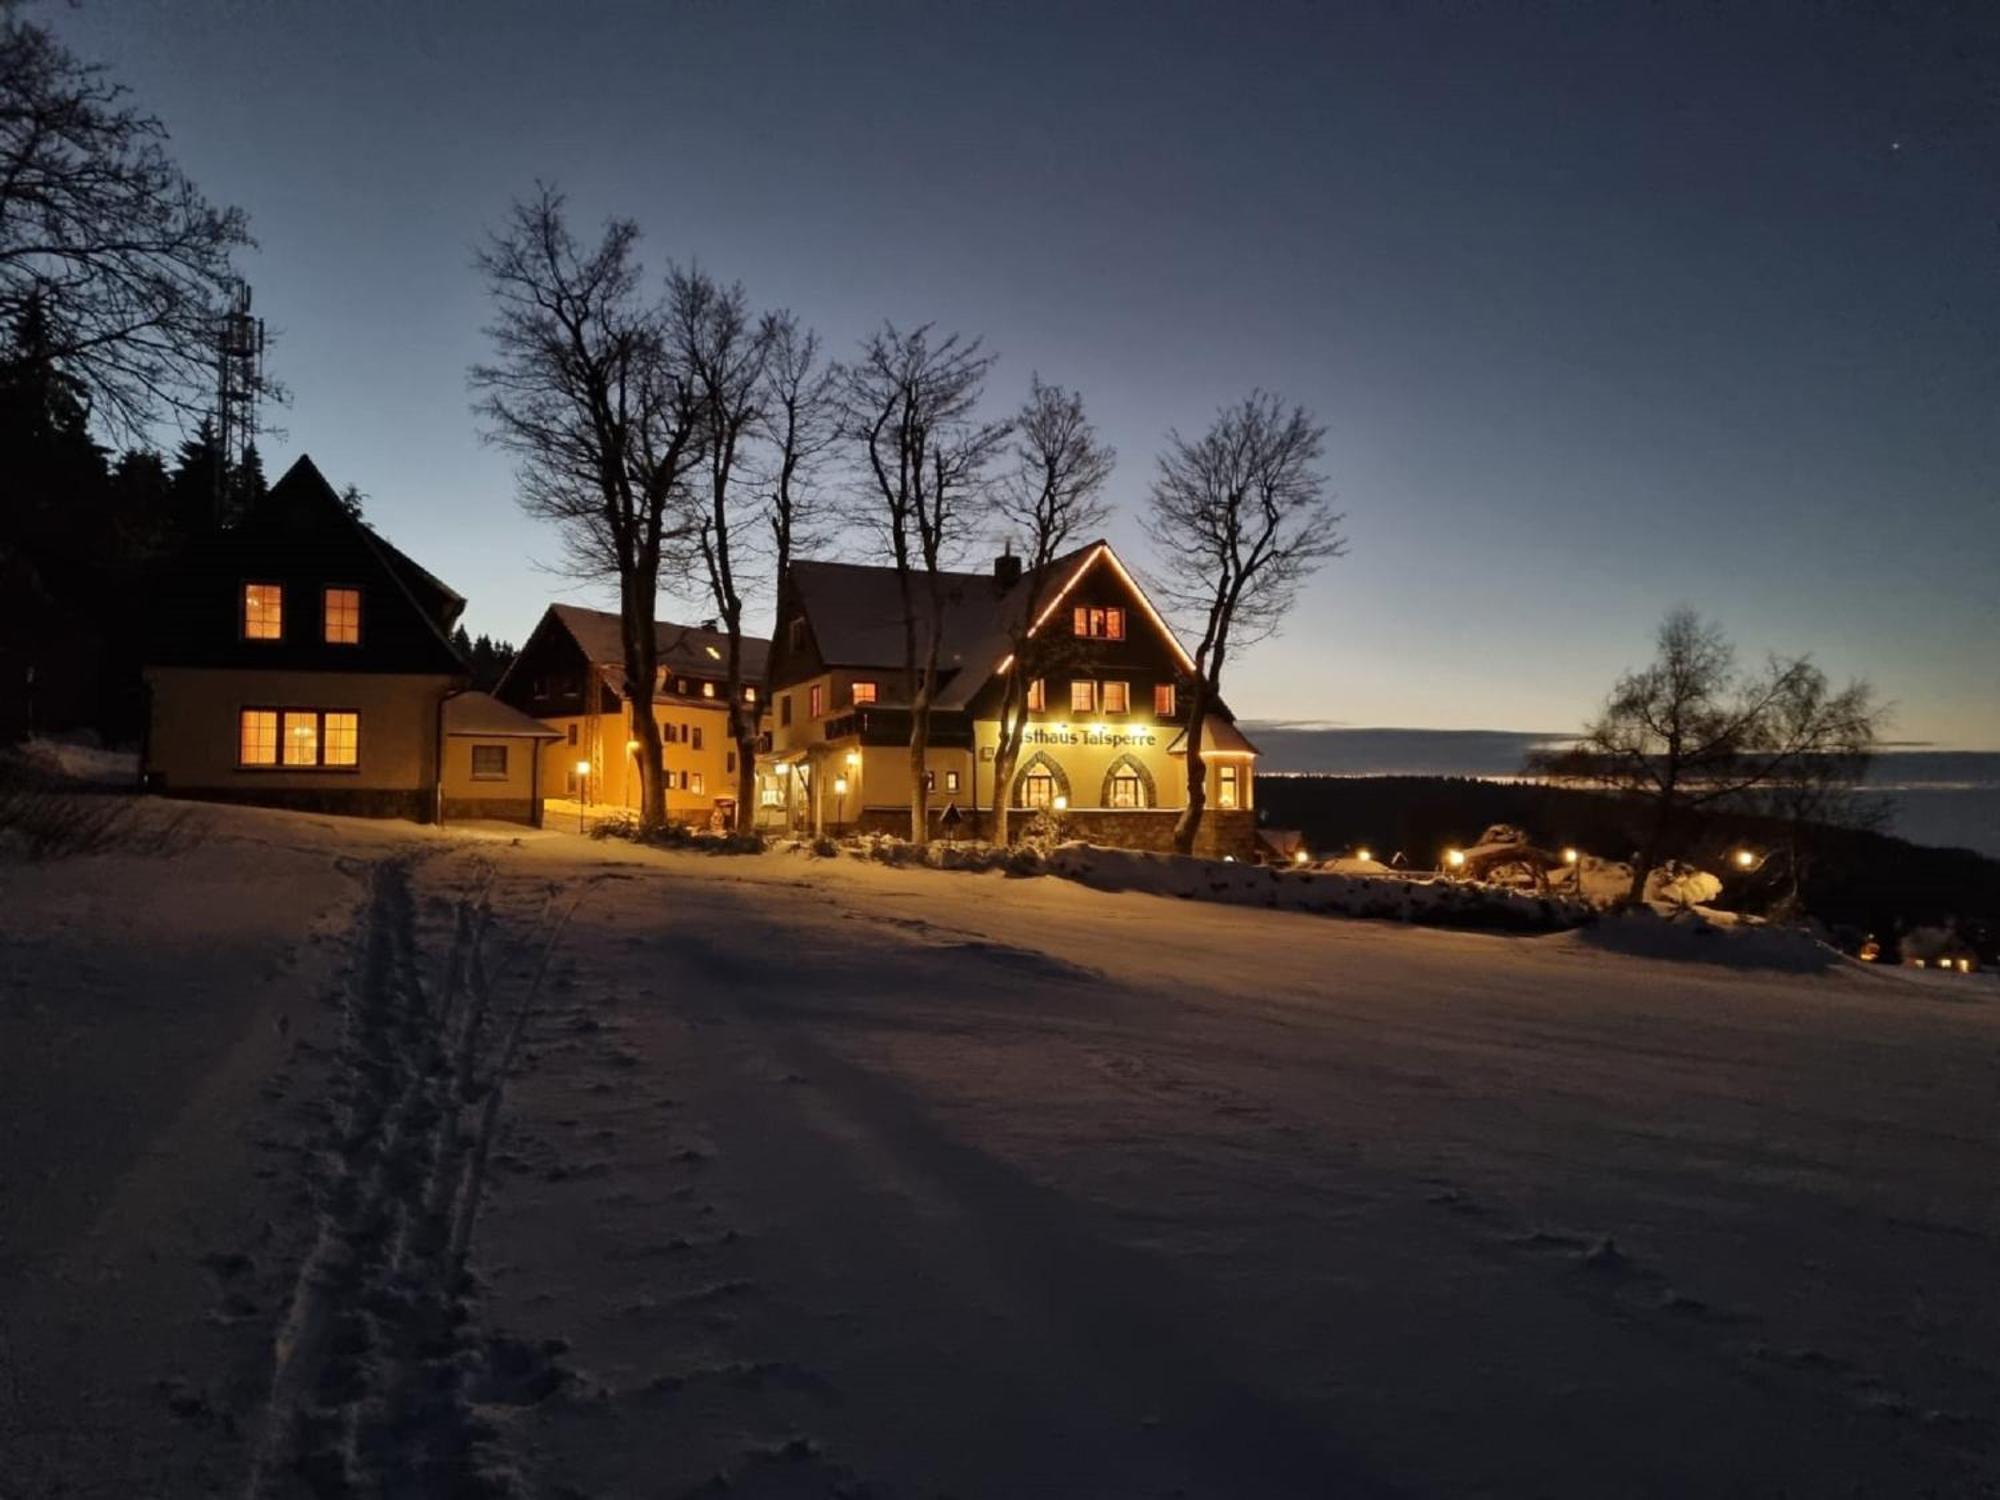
842	1176
81	758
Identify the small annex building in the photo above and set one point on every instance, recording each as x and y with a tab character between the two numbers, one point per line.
1105	741
300	660
570	677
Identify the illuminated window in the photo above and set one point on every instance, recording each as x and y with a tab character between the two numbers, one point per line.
951	781
1226	786
1099	624
708	688
1163	700
1083	696
1117	698
749	695
489	762
697	778
818	701
257	742
263	612
1038	789
301	741
340	740
341	611
1038	696
864	692
1127	790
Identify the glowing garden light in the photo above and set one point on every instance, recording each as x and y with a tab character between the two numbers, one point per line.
1362	853
1455	858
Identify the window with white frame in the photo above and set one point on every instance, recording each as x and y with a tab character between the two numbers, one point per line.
263	612
340	612
1117	697
489	762
1082	696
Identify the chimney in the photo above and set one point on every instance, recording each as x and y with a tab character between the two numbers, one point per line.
1007	568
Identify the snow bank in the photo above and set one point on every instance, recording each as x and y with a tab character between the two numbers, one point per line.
1701	935
1435	903
81	758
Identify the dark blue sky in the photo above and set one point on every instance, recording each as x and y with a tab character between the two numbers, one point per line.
1606	308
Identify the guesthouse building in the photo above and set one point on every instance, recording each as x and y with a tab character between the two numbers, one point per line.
1105	742
570	677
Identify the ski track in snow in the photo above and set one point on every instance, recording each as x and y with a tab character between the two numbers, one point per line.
774	1177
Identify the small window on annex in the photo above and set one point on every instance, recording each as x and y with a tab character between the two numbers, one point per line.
708	689
951	781
1227	786
1083	696
1127	790
1038	789
1117	697
341	616
864	692
489	762
263	612
1163	700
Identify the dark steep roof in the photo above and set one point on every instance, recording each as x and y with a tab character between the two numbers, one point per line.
856	612
690	650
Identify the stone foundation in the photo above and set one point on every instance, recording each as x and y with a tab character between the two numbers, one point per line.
1221	833
493	809
346	802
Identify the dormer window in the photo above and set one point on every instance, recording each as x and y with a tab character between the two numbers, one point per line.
263	612
341	612
864	692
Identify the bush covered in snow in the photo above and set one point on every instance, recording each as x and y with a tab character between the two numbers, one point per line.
1429	902
1711	937
625	825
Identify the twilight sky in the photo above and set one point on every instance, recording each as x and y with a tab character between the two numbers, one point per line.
1606	307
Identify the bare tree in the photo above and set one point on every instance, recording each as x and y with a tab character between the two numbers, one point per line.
801	408
603	424
725	353
1239	519
911	403
129	263
1052	499
1691	732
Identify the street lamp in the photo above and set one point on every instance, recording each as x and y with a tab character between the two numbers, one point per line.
1454	859
583	790
840	804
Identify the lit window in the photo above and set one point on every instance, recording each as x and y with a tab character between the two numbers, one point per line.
1098	624
342	612
1127	790
864	692
708	690
1038	789
1163	700
1038	696
749	695
301	740
489	762
263	612
1117	698
1225	786
1083	696
818	701
951	781
697	778
340	740
257	743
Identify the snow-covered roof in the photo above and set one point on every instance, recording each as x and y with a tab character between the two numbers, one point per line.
691	649
483	715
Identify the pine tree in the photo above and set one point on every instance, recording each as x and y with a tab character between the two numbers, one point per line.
246	485
191	490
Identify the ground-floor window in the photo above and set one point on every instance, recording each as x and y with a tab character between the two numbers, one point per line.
699	784
951	781
1227	785
489	762
1038	789
305	738
1127	790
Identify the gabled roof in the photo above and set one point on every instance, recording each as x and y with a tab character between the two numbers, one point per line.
688	649
856	614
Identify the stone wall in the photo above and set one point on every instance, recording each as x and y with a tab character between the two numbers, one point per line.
347	802
1221	833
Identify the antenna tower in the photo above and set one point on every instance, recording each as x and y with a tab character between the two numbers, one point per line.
239	376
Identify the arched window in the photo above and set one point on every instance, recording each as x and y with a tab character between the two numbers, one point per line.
1038	789
1128	784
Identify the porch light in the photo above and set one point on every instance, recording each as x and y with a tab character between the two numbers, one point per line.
782	768
854	757
1061	803
840	786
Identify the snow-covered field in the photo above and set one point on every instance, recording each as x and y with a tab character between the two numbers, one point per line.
829	1178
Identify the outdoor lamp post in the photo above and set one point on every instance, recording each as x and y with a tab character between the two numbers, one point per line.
583	792
840	801
1575	863
1454	860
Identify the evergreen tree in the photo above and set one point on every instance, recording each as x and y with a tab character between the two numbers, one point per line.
191	490
246	485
